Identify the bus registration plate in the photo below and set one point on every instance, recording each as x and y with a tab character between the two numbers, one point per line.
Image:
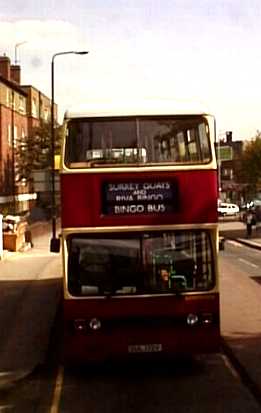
145	348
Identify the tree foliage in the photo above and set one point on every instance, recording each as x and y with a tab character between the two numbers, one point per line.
251	162
34	151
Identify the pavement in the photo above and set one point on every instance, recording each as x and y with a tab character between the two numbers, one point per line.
240	300
237	231
30	282
38	229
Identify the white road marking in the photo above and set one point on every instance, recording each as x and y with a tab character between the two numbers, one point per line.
57	390
230	367
248	263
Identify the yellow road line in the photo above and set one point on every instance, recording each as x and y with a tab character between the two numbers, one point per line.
57	390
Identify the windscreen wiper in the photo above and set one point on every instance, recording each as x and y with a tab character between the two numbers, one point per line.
107	292
176	290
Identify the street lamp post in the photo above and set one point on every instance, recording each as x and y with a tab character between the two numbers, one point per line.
13	157
16	47
219	170
54	242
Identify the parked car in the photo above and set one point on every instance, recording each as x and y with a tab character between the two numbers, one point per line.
227	209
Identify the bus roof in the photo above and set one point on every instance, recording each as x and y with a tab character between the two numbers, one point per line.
137	108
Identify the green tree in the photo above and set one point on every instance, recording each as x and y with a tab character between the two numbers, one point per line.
250	170
33	152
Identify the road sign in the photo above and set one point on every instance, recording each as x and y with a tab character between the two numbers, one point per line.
225	153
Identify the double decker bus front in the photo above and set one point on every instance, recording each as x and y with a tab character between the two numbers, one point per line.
139	232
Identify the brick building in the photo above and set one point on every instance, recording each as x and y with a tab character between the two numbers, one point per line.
21	109
229	154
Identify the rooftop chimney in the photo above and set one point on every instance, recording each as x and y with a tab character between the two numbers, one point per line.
5	67
16	73
229	136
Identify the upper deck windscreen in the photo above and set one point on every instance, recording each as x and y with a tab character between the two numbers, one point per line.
137	141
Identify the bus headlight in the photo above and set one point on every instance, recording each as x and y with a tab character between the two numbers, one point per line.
95	324
192	319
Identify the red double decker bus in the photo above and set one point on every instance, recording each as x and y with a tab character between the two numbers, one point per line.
139	232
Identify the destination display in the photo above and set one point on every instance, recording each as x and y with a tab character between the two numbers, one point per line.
139	197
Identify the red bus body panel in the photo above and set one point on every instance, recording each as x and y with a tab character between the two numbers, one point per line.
139	320
81	199
166	325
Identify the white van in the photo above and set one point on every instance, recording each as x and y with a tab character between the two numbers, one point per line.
227	209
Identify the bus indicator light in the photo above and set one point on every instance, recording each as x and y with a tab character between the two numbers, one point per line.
207	318
79	324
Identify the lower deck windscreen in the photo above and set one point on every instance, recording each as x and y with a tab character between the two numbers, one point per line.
140	263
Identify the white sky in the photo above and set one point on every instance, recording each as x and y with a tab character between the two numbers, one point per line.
206	50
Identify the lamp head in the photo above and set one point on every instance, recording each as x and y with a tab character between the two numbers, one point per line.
83	52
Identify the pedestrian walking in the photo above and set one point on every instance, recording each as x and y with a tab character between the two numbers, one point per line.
258	219
249	223
28	237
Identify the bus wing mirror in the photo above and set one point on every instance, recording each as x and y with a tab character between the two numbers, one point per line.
57	161
55	245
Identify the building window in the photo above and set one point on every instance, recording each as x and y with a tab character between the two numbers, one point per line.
227	173
46	114
21	104
9	136
15	136
34	108
9	98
